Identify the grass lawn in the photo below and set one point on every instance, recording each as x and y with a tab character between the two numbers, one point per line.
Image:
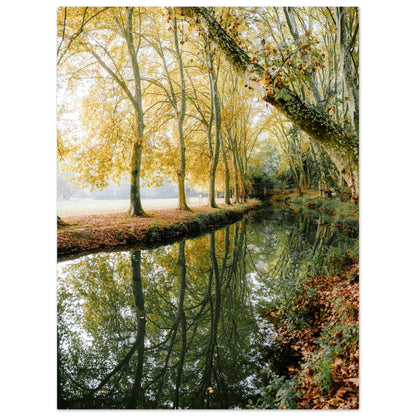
69	207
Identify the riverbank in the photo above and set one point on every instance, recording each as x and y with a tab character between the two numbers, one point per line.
318	333
90	233
343	214
323	359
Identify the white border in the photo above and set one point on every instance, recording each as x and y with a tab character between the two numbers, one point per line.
28	206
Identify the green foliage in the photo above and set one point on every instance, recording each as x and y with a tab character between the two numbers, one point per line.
201	217
262	183
177	228
322	368
98	325
284	94
347	209
219	215
242	207
196	223
315	248
201	220
279	393
334	341
157	230
342	212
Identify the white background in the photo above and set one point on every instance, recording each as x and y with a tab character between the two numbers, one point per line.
27	216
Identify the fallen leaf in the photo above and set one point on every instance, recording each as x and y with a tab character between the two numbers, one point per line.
354	380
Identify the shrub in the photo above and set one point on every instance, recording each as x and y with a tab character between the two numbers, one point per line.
278	394
201	218
322	368
177	228
155	232
219	215
297	200
335	340
330	204
195	224
242	207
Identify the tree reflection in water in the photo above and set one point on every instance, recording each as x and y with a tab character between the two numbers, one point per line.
177	326
148	329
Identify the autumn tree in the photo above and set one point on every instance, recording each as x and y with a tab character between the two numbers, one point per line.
340	143
159	328
326	88
240	133
204	96
176	99
293	148
215	114
141	95
114	41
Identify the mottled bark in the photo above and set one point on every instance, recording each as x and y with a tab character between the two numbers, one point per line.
351	86
317	158
180	118
136	157
341	148
180	175
227	195
236	190
135	200
215	149
241	176
135	97
214	117
291	22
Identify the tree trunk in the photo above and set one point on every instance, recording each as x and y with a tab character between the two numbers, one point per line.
215	312
136	159
135	201
295	177
211	186
317	157
347	70
136	398
341	148
291	22
241	177
236	190
183	206
182	318
214	149
227	195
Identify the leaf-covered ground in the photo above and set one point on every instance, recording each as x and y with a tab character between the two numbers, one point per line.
87	233
327	351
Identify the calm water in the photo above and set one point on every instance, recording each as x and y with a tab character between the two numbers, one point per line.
180	326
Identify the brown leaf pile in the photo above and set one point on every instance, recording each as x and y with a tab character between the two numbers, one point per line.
88	233
322	310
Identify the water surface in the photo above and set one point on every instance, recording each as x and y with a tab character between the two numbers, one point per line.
180	326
